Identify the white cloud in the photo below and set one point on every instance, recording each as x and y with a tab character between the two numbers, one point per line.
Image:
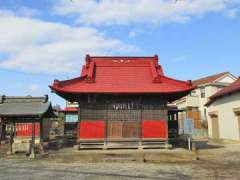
232	13
132	34
37	46
108	12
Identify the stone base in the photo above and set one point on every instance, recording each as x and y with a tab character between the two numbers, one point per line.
32	156
23	145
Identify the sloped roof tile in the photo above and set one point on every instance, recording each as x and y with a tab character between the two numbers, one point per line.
121	75
209	79
12	106
234	87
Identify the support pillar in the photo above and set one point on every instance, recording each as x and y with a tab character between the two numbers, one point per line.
41	137
106	128
178	123
78	126
167	129
11	139
140	125
33	155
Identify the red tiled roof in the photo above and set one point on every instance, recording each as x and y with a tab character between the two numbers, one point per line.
234	87
209	79
121	75
69	109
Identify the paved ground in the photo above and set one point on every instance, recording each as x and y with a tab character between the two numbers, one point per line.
215	163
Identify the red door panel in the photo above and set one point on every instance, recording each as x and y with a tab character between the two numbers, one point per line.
154	129
92	129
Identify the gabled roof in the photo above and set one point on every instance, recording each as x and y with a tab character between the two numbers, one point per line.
20	106
121	75
234	87
209	79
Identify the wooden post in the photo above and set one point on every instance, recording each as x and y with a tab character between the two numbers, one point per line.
3	133
1	129
177	123
106	126
32	155
41	131
166	119
11	139
78	126
41	137
189	143
140	125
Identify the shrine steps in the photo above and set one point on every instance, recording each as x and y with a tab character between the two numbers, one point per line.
124	145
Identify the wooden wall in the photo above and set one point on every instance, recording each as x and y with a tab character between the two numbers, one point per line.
123	117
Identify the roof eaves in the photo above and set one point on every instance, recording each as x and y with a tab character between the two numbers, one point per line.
22	99
181	100
218	95
58	84
48	111
209	79
224	75
213	84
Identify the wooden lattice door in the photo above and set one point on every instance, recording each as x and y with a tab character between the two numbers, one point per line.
115	129
123	120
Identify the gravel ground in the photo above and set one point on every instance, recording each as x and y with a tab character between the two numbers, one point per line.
217	163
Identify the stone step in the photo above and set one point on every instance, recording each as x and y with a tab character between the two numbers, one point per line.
124	145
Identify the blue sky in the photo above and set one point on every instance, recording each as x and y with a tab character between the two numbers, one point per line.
47	39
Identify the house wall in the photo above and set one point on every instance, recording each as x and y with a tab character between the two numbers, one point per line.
181	104
209	91
228	120
227	79
195	99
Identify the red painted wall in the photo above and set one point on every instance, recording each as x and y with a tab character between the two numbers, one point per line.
154	129
150	129
92	129
25	129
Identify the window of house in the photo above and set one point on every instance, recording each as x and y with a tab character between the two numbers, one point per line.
193	93
203	94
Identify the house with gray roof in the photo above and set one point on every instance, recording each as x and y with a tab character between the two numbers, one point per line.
27	118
